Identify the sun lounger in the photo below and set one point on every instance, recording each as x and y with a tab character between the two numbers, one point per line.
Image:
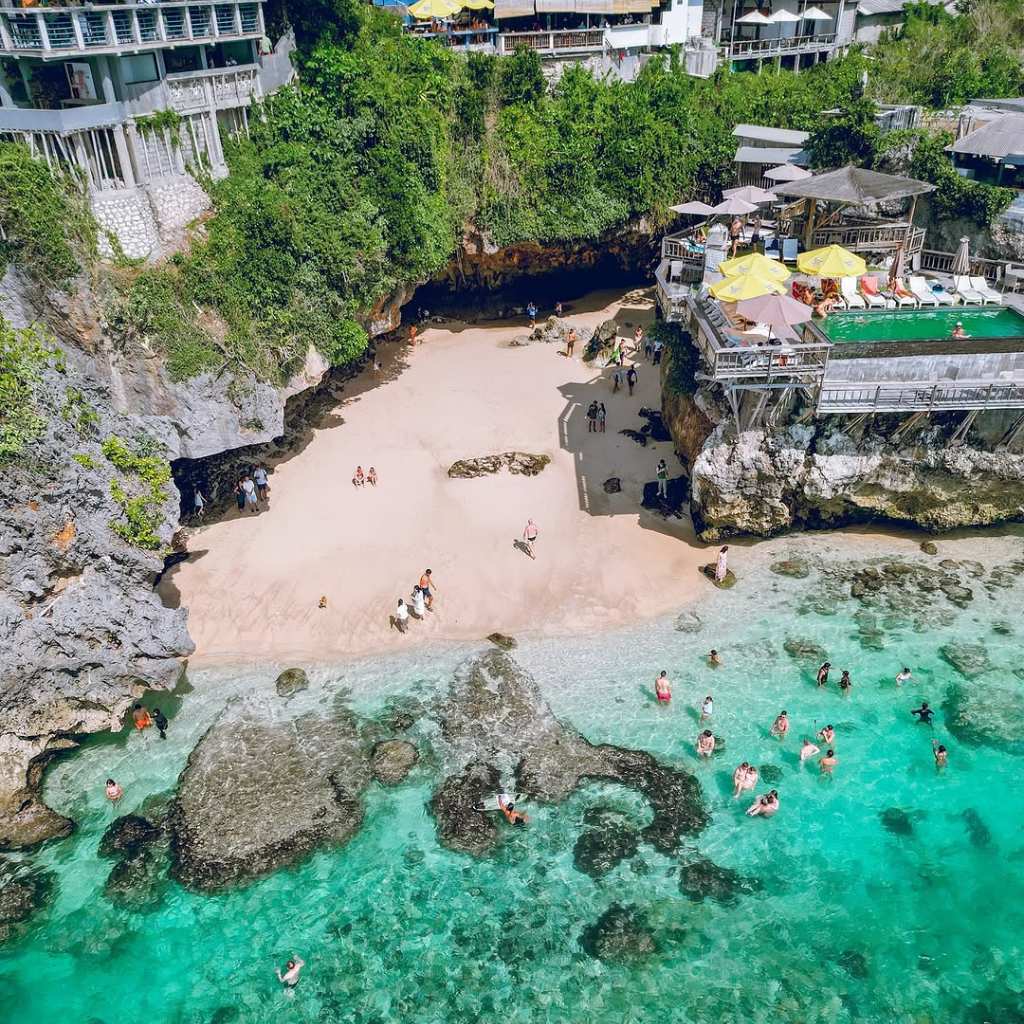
871	293
968	296
848	292
924	295
902	296
789	250
945	298
979	284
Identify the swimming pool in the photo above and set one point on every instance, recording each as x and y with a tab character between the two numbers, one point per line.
923	324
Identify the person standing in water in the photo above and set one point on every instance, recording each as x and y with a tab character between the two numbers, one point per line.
742	779
780	726
808	750
823	674
290	978
707	708
161	723
722	566
663	688
705	743
714	660
828	762
845	683
941	755
924	713
140	717
530	533
113	791
904	676
827	735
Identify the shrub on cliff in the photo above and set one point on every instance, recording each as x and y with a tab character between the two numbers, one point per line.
24	354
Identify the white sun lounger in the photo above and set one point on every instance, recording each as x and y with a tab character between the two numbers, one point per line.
925	296
979	284
874	301
902	300
946	298
848	293
968	295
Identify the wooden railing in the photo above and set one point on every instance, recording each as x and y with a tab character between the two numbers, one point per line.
992	270
870	238
740	48
577	41
842	397
675	247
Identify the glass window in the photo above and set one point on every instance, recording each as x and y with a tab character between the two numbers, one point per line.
140	68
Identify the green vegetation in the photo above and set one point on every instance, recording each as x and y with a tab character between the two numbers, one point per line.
146	475
48	230
159	122
24	355
85	461
77	410
681	357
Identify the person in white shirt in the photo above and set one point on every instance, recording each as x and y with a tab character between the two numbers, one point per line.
401	617
808	749
707	708
251	497
291	974
419	607
904	676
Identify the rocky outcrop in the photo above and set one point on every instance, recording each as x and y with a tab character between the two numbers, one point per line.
392	760
139	844
261	791
23	893
290	682
704	880
497	732
520	463
620	933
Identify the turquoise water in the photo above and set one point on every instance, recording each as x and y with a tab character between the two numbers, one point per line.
852	923
923	324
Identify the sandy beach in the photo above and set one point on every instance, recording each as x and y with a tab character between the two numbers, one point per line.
253	584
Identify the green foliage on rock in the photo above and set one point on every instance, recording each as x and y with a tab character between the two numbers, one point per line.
48	230
24	354
851	137
140	490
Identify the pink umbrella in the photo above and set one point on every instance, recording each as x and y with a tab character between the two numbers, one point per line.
778	311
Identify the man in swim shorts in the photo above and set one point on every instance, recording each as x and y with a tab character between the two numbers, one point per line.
705	743
827	735
426	583
808	749
663	688
140	716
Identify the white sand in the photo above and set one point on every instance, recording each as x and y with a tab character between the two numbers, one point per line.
253	583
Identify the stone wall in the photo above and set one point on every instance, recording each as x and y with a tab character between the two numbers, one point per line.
126	215
176	202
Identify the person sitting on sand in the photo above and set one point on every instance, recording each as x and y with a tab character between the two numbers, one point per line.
705	743
358	478
426	583
828	762
941	755
371	477
807	750
113	791
827	735
780	726
663	688
714	660
722	565
765	806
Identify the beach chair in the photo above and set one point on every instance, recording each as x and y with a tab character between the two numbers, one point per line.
902	296
945	298
848	293
924	295
979	284
675	271
968	296
789	250
872	293
772	250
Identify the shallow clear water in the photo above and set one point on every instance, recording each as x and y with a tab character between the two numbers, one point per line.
852	923
921	324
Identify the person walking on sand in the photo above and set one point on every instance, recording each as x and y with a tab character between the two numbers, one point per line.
656	350
252	499
638	340
602	417
592	418
427	587
198	504
371	477
648	347
113	791
631	376
413	331
722	565
530	532
290	978
570	341
662	474
531	312
259	475
419	609
616	379
400	620
161	723
663	688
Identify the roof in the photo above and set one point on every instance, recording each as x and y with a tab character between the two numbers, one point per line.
867	8
853	185
1007	105
778	136
757	155
994	140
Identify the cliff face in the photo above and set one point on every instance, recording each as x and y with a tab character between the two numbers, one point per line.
766	482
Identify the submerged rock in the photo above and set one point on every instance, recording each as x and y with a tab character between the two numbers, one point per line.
598	850
291	681
797	568
969	660
494	715
392	760
805	650
977	830
854	963
520	463
897	821
620	933
770	773
128	835
703	879
688	622
139	882
260	792
989	716
23	893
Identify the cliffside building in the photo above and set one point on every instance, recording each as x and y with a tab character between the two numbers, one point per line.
131	96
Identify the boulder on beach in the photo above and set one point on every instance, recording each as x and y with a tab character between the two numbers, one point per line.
620	933
520	463
291	681
709	573
929	547
502	640
613	485
797	568
392	760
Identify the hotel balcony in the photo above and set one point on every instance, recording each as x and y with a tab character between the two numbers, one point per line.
758	49
52	32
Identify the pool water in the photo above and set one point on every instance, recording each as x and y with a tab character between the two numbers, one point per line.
923	324
916	917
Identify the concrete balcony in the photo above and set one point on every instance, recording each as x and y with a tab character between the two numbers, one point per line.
58	33
756	49
194	91
62	122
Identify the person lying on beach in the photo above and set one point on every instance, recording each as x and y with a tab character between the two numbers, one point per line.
780	726
744	778
808	749
765	805
705	743
828	762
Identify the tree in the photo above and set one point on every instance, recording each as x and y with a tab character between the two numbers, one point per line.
851	138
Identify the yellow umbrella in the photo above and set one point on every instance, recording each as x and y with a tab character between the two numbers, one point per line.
754	263
425	9
478	5
831	261
746	286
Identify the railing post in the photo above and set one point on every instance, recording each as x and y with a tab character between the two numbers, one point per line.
213	22
931	404
111	30
44	35
136	31
878	395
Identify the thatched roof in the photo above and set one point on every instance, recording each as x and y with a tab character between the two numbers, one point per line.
855	186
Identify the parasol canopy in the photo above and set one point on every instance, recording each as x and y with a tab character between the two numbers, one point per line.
784	18
695	208
778	311
746	286
830	261
786	172
816	14
751	193
426	9
734	205
754	263
753	18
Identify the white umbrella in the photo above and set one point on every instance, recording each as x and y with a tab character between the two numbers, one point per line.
784	17
786	172
962	260
751	193
753	18
734	205
695	208
816	14
778	311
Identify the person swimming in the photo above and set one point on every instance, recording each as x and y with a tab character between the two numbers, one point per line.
780	726
508	808
827	735
828	762
663	688
924	713
941	755
845	683
290	978
823	673
765	805
113	791
808	749
714	659
706	743
904	676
